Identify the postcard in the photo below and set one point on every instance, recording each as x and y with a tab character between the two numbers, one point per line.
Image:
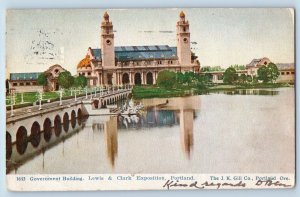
150	99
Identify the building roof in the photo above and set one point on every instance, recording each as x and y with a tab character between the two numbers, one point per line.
84	63
256	62
283	66
24	76
128	53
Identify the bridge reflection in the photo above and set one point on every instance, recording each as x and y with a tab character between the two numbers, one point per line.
27	147
174	114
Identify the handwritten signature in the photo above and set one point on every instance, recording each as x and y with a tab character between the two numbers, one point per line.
176	184
271	183
169	184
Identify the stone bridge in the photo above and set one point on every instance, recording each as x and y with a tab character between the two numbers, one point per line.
34	131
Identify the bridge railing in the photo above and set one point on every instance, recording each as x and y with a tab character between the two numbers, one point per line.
27	99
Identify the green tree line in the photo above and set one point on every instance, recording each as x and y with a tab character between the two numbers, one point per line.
65	80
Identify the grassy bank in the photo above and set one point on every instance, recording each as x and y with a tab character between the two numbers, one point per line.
140	92
31	97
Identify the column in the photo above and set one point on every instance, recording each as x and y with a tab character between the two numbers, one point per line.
130	77
98	79
117	78
142	77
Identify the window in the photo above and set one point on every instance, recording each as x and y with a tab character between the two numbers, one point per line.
108	42
159	62
56	71
287	73
265	63
89	74
15	84
282	73
292	72
21	84
185	40
34	83
28	83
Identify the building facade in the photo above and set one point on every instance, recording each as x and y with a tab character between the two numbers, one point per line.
255	64
286	73
136	65
27	82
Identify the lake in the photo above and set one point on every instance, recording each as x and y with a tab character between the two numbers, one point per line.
246	131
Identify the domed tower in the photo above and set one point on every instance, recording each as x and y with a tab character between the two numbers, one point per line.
183	41
107	42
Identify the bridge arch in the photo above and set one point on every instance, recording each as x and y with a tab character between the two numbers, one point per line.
22	140
57	125
66	122
8	145
79	116
35	135
73	119
96	103
47	129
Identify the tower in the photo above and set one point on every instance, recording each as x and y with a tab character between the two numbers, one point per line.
183	41
107	42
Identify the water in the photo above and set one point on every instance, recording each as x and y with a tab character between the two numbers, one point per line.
215	133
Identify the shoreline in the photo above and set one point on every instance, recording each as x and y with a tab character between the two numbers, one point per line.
143	92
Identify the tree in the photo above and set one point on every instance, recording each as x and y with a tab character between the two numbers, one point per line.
179	77
249	78
255	79
42	80
242	78
230	75
65	79
273	72
209	77
189	78
262	73
80	81
166	79
268	73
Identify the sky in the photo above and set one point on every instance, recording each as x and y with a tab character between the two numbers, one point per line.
37	39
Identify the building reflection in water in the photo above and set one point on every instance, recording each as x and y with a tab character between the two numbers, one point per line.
174	111
184	117
187	130
111	137
154	116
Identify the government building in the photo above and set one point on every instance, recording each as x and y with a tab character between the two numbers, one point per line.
136	65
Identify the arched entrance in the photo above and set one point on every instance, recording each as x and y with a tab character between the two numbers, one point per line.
149	78
56	86
125	78
137	79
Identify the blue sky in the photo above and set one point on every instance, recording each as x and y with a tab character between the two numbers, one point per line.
37	39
